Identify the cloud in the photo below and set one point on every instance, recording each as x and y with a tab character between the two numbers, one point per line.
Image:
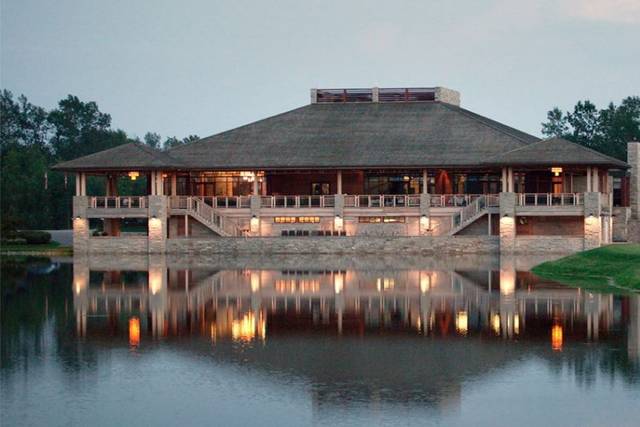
614	11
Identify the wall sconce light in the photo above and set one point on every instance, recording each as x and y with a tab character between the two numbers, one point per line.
424	222
133	175
78	217
254	223
153	217
338	222
505	215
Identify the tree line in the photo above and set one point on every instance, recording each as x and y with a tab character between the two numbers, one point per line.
33	139
606	130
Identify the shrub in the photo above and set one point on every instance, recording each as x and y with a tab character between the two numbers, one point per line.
35	237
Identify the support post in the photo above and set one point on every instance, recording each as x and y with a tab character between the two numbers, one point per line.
425	181
507	222
174	184
596	181
157	224
589	180
592	220
339	182
504	180
633	158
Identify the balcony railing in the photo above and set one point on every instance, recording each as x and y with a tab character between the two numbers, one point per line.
382	201
117	202
549	199
181	202
455	200
297	201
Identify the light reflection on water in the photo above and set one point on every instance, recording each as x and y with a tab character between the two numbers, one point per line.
303	340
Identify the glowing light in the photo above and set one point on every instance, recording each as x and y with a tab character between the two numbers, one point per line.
134	331
507	282
133	175
255	281
556	170
249	327
338	223
338	283
556	337
495	324
516	324
462	322
155	281
254	223
425	281
425	223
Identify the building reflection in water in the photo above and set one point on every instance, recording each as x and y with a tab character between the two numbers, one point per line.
164	301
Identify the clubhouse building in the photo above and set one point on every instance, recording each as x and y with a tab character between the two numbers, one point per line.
360	170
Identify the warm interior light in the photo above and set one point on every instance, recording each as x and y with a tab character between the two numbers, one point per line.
556	170
134	331
462	322
133	175
556	337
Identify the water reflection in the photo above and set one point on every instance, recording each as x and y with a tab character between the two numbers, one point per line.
247	304
368	336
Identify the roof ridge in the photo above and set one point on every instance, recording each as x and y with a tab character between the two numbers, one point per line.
596	152
474	116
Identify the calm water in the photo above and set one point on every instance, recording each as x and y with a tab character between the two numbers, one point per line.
311	340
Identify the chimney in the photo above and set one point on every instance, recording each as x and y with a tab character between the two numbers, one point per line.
449	96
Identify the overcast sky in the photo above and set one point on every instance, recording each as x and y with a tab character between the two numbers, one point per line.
201	67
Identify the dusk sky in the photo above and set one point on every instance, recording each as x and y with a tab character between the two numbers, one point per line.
201	67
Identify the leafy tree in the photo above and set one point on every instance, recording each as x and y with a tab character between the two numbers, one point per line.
172	142
153	140
607	130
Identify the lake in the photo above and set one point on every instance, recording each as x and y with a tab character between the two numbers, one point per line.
311	340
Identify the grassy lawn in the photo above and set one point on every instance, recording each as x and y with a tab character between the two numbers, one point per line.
609	268
47	247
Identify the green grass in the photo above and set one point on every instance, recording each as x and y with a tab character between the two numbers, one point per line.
611	268
46	247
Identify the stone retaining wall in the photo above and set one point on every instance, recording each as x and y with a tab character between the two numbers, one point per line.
128	245
325	245
548	244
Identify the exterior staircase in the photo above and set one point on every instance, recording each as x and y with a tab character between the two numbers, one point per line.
211	219
468	215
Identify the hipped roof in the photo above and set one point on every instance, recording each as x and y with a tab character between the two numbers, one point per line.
355	135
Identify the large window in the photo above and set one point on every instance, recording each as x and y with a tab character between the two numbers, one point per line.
393	184
218	184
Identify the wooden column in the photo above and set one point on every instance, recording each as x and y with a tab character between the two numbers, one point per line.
174	184
504	180
596	181
255	191
589	180
339	182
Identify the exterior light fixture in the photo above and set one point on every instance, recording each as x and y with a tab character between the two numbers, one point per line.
556	170
133	175
78	217
424	222
505	215
254	223
153	217
338	222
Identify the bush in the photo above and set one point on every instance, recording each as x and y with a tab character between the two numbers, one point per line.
35	237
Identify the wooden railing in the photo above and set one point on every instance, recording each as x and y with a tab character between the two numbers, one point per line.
382	201
468	212
180	202
297	201
205	213
117	202
456	200
550	199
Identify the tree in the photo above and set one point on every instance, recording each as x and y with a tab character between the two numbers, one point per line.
607	130
153	140
172	142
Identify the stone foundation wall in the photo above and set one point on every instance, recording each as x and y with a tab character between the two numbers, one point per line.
621	217
128	245
326	245
548	244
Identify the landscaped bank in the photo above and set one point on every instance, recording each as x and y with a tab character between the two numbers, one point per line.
612	268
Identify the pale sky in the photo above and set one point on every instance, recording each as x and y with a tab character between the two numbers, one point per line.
201	67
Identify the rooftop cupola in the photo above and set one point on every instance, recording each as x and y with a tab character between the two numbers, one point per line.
375	94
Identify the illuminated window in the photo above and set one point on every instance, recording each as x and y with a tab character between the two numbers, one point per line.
296	219
284	219
308	219
380	219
